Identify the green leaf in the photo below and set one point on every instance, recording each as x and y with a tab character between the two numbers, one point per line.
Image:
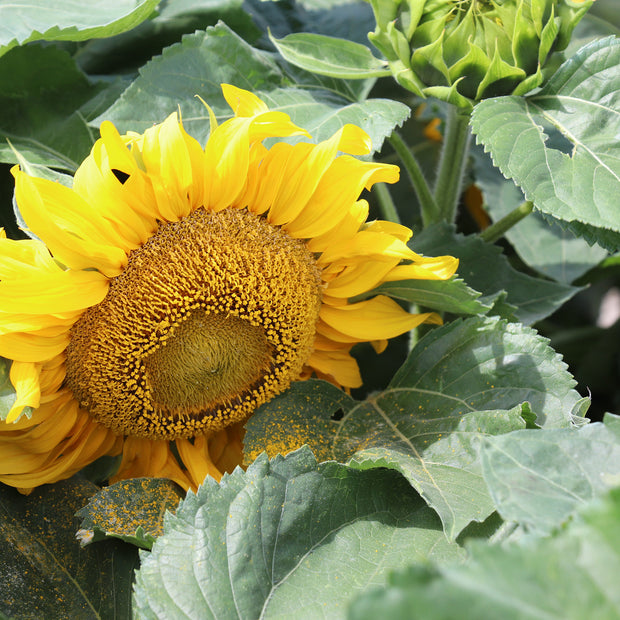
437	454
444	296
285	535
204	60
569	577
560	145
539	240
539	478
330	56
22	21
486	363
132	510
484	268
45	105
303	415
45	573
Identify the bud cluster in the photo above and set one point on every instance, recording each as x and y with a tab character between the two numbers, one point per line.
462	51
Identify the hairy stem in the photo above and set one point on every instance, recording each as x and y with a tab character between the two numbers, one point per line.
498	229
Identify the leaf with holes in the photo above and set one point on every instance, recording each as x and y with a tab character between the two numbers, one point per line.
561	144
287	534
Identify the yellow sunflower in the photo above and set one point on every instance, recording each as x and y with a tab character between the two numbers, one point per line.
176	288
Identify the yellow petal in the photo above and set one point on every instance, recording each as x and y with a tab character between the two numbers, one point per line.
32	347
425	268
243	102
374	319
64	291
75	234
337	364
25	379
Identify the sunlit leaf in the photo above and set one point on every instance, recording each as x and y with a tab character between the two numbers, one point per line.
539	478
571	576
541	242
288	534
204	60
22	21
561	144
132	510
45	573
330	56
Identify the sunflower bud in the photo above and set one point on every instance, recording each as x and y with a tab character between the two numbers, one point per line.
462	51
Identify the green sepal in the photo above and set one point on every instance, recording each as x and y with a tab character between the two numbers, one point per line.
547	39
428	63
406	78
399	43
529	83
525	39
414	13
450	94
569	18
472	68
498	76
385	12
380	39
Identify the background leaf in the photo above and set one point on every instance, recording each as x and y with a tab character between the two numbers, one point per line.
204	60
538	478
482	266
286	534
44	571
561	144
132	510
540	241
568	577
22	21
45	105
330	56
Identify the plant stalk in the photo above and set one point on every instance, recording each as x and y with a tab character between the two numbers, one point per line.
454	154
428	205
498	229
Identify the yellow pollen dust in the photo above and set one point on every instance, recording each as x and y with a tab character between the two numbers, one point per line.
213	316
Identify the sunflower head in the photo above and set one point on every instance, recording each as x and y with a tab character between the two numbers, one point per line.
176	287
462	51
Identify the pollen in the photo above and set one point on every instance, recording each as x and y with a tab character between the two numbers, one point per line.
214	315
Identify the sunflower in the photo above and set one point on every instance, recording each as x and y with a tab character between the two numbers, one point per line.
174	288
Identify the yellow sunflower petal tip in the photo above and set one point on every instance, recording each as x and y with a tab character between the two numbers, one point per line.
243	102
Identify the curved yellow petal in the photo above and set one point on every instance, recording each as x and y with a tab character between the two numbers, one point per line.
243	102
32	347
425	268
374	319
25	379
338	365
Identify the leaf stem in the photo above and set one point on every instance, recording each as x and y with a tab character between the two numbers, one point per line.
428	206
498	229
385	203
454	154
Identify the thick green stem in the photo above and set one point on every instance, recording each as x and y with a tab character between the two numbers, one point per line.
454	153
385	203
498	229
428	205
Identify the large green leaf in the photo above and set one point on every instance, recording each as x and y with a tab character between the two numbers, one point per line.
540	242
22	21
286	535
539	478
561	144
461	382
45	572
45	105
484	268
204	60
569	577
330	56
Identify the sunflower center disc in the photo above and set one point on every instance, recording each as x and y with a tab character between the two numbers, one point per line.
212	316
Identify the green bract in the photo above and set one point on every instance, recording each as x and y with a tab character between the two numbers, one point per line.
462	51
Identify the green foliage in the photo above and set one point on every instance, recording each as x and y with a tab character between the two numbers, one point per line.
569	576
469	479
560	145
286	534
45	573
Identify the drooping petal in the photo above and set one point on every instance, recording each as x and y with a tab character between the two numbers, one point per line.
25	379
